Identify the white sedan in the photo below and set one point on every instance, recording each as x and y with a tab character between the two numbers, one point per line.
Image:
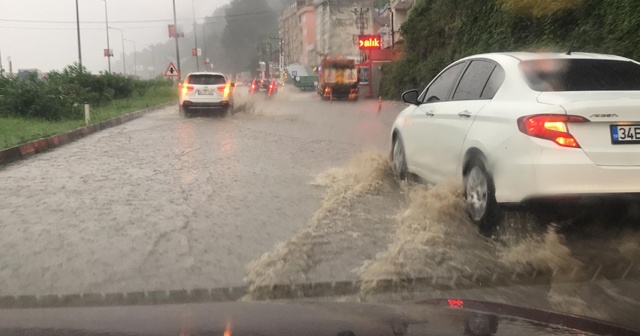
514	127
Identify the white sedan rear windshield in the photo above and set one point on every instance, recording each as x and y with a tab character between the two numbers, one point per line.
581	75
206	80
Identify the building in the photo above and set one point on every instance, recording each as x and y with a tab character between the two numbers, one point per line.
297	31
289	27
337	28
397	12
307	16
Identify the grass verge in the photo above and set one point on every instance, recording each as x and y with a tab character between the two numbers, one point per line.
15	131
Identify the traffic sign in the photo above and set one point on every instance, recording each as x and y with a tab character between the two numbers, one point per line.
172	71
175	32
351	75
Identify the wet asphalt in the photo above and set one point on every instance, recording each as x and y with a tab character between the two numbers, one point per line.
168	202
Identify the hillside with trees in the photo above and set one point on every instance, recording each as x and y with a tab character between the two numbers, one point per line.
438	32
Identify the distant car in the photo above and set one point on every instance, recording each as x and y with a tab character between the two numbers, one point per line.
268	85
206	91
516	127
272	87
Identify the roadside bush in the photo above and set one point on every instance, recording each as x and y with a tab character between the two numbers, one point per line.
34	98
61	95
438	32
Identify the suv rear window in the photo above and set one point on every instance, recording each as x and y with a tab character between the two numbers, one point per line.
581	75
206	80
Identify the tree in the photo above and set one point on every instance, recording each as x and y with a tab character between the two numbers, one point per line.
438	32
249	22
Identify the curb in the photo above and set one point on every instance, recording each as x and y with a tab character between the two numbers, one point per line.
34	147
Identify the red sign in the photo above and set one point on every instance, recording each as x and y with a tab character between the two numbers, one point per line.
173	32
368	42
107	53
194	52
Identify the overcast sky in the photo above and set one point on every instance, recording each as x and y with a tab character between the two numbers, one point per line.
32	43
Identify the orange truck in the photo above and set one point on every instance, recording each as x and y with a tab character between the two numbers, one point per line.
338	79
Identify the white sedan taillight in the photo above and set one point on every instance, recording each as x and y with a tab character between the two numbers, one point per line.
551	127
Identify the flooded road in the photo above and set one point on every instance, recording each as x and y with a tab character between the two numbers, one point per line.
167	202
287	191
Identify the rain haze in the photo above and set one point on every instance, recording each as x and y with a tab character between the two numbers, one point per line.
42	33
458	165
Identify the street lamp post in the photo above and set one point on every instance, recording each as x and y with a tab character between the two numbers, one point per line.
135	58
106	18
124	57
153	59
78	28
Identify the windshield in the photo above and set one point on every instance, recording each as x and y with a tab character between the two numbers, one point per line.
581	75
206	80
353	151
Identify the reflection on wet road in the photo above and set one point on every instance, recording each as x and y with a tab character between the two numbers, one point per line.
288	191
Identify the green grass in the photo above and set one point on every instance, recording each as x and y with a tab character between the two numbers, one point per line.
15	131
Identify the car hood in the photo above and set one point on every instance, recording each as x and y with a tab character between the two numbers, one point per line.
435	317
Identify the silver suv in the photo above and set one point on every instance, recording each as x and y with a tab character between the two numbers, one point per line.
206	91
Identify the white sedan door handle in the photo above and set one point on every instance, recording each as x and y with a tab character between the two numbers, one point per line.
464	114
430	114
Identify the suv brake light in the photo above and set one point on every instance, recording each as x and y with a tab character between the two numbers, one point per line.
225	89
187	88
551	127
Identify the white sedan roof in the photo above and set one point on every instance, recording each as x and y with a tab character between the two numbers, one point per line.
528	56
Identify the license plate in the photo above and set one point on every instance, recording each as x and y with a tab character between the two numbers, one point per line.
625	134
206	92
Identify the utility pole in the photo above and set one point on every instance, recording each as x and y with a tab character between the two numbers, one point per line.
361	18
195	34
135	58
153	60
393	28
362	23
106	18
281	56
1	68
79	43
204	45
175	23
